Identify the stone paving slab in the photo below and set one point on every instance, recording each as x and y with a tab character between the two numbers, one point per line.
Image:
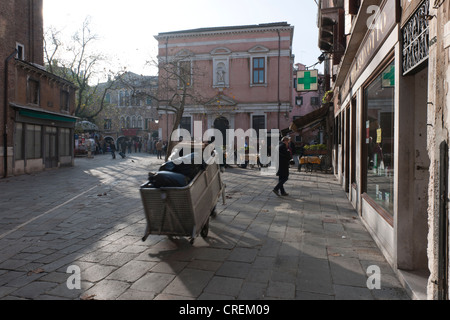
310	245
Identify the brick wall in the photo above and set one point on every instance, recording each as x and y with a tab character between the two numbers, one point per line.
21	21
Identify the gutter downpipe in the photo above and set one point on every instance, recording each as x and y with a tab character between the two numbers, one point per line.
167	93
279	56
442	281
5	116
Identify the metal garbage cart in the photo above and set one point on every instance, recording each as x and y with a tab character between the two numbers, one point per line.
183	211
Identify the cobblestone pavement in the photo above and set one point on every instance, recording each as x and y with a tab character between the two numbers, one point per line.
88	221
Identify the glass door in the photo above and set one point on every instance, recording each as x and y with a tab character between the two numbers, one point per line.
50	142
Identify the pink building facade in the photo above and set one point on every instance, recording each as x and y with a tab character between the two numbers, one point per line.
243	75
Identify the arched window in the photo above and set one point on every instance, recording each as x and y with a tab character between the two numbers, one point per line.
127	98
121	98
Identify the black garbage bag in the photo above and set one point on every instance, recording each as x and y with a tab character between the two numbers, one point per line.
167	179
189	165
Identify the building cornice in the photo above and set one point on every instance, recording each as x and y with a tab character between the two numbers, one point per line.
41	70
281	26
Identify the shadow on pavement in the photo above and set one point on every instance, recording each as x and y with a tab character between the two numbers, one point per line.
309	246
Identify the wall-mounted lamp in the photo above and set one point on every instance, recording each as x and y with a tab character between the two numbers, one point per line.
322	58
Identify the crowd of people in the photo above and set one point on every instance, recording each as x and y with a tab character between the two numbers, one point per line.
287	150
154	146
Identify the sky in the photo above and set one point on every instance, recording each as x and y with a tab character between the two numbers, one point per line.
126	29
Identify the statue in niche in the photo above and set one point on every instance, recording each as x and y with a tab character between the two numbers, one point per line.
221	74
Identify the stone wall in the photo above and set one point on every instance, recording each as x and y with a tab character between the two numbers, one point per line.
438	125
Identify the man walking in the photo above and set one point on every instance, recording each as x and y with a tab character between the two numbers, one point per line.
159	147
113	149
283	166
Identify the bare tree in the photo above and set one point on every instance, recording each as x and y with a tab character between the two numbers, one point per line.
80	64
52	44
177	89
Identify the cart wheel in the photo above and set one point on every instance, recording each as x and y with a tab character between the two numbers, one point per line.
205	230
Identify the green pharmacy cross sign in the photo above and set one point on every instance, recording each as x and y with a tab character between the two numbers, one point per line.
307	80
388	77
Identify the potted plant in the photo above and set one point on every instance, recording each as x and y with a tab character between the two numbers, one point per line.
316	149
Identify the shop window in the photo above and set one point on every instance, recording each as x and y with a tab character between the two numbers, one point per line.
379	138
18	142
339	132
64	142
33	141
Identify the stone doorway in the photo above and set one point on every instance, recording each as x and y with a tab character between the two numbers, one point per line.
222	124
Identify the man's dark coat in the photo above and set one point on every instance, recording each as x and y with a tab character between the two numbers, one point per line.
284	161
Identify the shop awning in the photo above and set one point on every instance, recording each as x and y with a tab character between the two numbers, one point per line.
87	126
42	114
310	119
357	34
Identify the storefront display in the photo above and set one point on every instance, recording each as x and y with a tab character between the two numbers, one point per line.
379	138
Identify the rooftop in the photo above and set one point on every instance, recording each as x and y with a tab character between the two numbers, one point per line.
226	28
